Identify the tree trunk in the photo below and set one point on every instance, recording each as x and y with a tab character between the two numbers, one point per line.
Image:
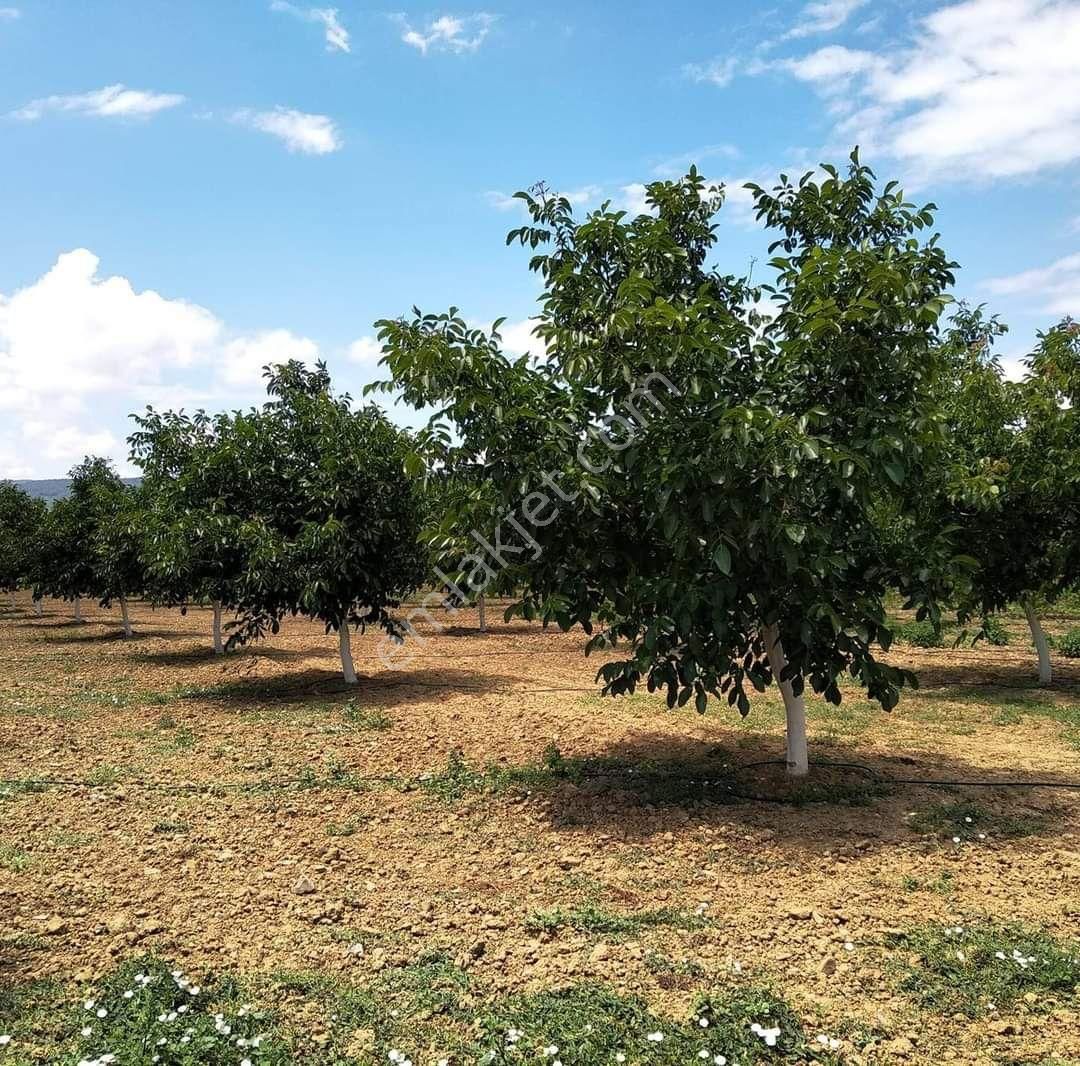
480	606
1039	637
13	599
38	607
126	618
797	762
219	648
345	641
78	609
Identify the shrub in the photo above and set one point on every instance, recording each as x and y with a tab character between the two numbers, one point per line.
993	632
919	634
1069	645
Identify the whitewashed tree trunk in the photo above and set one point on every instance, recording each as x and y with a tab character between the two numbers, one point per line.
345	642
125	617
78	609
13	600
1046	673
219	647
481	608
38	606
797	762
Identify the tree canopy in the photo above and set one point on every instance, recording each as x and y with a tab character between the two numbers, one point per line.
698	462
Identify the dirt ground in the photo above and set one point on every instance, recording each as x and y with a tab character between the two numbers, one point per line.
207	791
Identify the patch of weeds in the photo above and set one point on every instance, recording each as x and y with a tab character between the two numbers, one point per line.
13	859
1069	643
142	1012
597	921
919	634
965	821
346	828
944	884
590	1024
32	1012
104	774
975	969
171	825
368	718
994	631
673	973
410	1006
66	839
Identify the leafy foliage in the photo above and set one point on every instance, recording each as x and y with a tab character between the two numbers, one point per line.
1069	643
977	968
21	521
334	522
688	469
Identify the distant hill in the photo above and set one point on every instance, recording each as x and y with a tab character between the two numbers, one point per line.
56	488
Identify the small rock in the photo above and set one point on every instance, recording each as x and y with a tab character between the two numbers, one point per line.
304	886
55	926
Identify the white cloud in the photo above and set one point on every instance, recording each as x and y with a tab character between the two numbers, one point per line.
518	338
631	199
500	201
337	37
1056	287
243	359
300	132
114	101
365	350
823	16
10	13
717	71
985	89
72	343
448	33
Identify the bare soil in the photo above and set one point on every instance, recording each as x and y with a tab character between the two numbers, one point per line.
186	798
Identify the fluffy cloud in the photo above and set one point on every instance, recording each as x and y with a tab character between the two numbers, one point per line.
337	37
518	338
114	101
73	342
986	89
9	13
366	351
448	33
1056	287
243	360
300	132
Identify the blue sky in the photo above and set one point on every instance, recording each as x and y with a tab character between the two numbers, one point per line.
188	190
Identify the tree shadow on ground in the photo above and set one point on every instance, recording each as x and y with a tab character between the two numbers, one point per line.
202	651
1007	674
315	686
107	633
852	802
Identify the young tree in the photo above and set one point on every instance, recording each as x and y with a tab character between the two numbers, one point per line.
199	497
21	520
699	479
90	545
335	535
1008	483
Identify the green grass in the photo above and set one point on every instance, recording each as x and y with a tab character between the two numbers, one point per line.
13	859
975	969
918	634
426	1009
367	718
597	921
972	821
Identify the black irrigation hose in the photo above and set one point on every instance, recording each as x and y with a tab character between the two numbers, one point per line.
597	772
